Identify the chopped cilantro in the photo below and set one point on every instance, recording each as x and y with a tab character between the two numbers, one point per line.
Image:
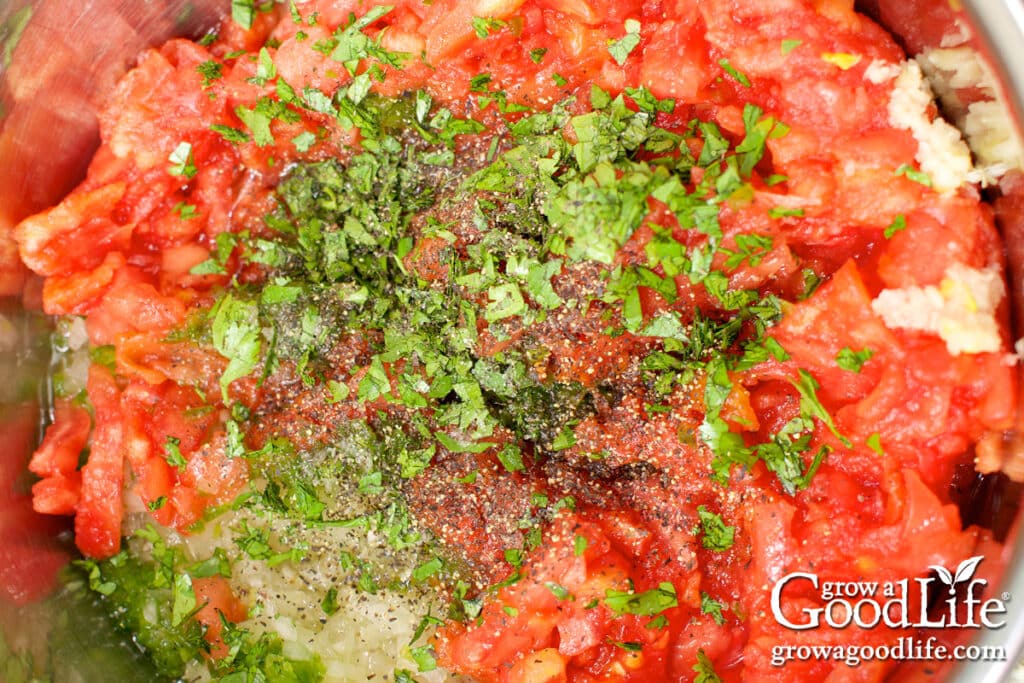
559	591
184	599
258	123
514	556
317	101
353	45
620	49
211	70
660	621
783	212
899	222
243	12
454	446
565	439
914	174
811	406
232	135
427	569
236	336
304	141
330	602
716	535
790	44
749	248
511	458
185	211
783	455
648	603
216	565
705	670
537	54
172	453
740	77
712	607
265	67
182	162
851	360
483	26
424	657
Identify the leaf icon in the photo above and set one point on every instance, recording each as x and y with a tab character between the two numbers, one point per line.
943	573
965	570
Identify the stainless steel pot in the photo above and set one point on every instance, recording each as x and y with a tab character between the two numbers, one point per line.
68	54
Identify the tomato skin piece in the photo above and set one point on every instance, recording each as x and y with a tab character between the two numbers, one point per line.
56	460
101	508
75	234
58	494
78	292
63	441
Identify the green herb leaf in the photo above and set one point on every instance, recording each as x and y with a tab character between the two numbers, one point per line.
914	174
712	607
559	591
211	70
851	360
424	657
232	135
258	124
790	44
454	446
182	162
782	212
660	621
716	535
330	602
620	49
184	599
511	458
236	336
648	603
899	222
483	26
740	77
705	670
243	12
172	453
810	405
427	569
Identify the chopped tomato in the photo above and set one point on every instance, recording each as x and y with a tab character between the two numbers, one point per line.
216	600
99	513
